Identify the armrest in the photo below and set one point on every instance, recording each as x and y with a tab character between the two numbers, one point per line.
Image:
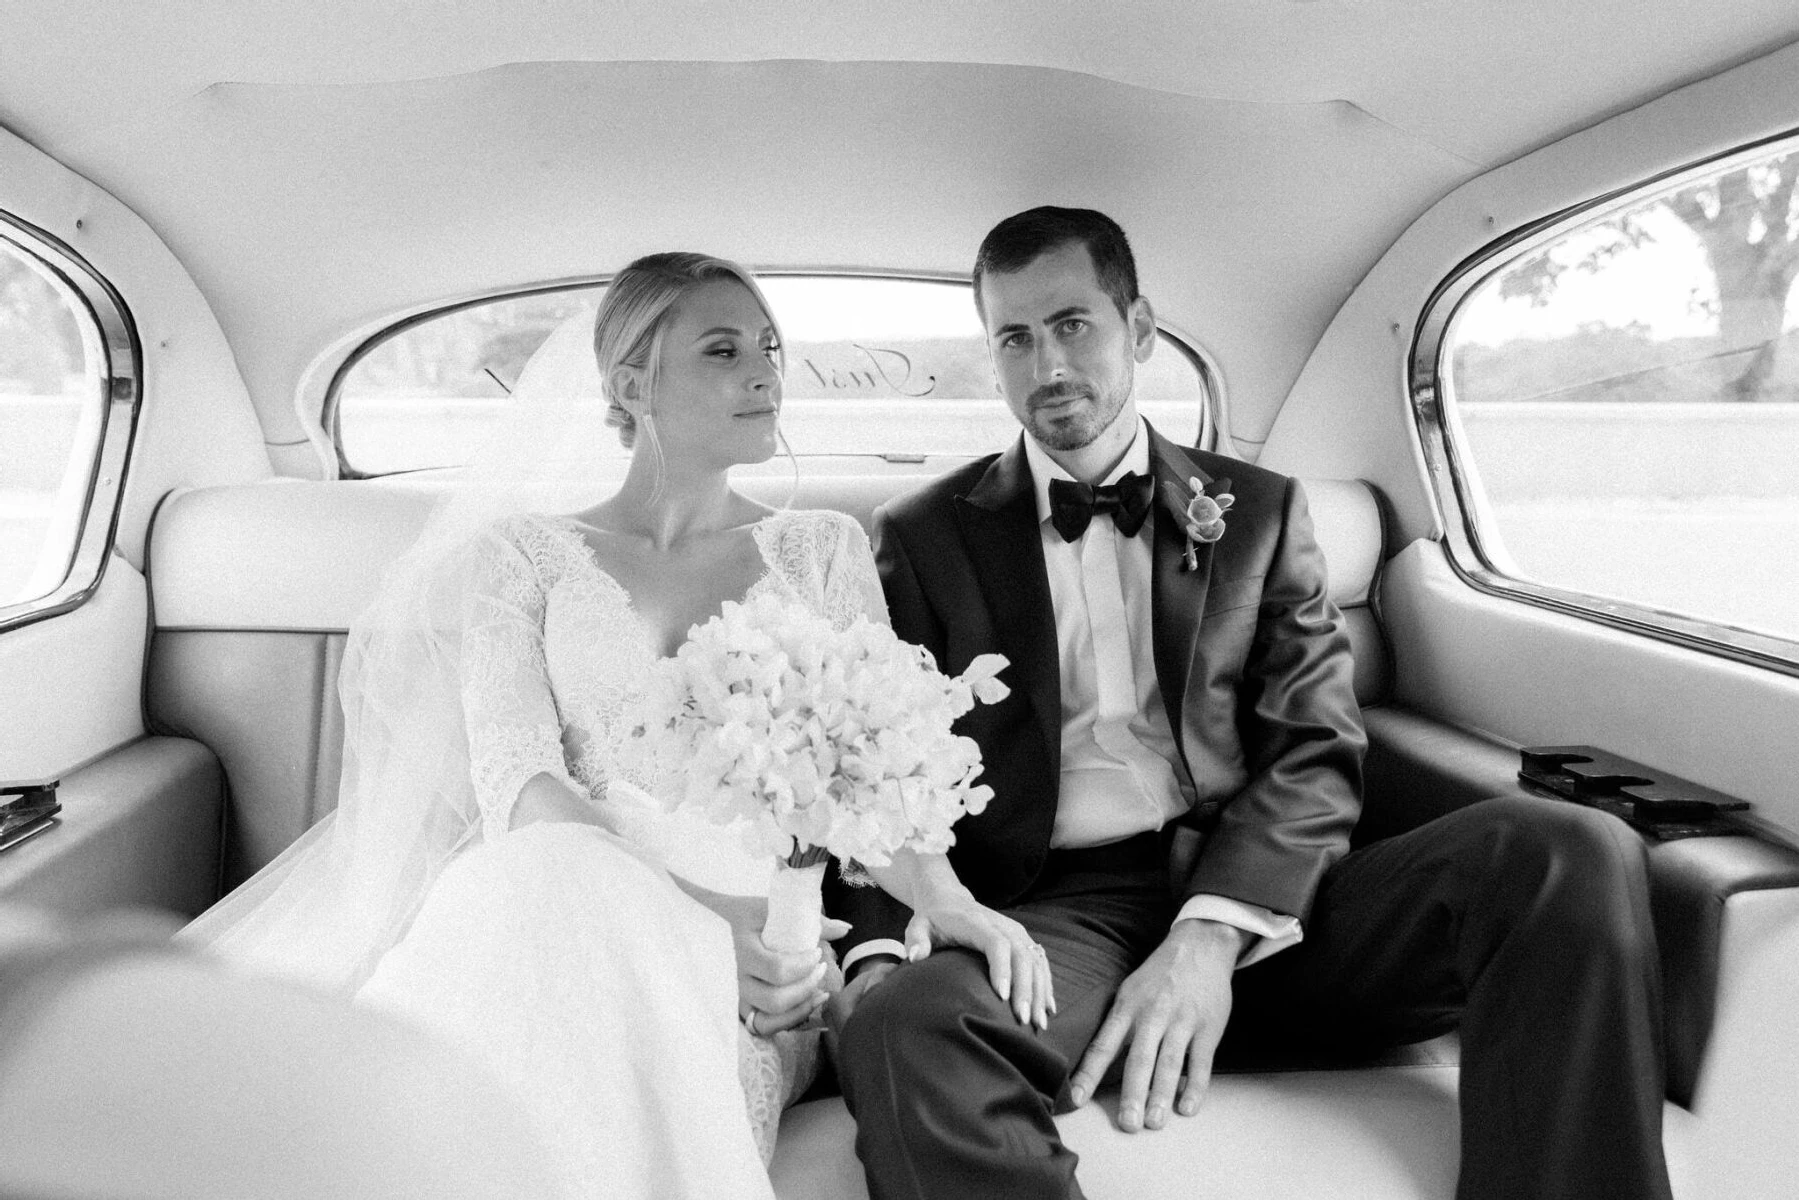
1692	885
1419	768
1740	1139
138	827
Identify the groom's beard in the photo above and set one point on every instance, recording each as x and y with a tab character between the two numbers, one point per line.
1075	426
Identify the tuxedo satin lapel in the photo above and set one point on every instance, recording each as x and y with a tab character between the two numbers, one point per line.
1177	597
999	522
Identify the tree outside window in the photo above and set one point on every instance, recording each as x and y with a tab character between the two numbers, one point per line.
1627	399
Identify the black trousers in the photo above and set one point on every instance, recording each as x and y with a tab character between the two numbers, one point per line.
1525	923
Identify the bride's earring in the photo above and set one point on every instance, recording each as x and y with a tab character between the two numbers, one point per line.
793	461
647	425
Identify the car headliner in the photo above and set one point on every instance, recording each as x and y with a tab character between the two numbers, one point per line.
320	167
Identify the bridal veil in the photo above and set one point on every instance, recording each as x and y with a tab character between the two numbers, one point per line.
325	910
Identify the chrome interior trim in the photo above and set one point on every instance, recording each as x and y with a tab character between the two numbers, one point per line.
111	336
1432	404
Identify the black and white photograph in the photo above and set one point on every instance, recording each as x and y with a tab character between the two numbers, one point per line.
795	600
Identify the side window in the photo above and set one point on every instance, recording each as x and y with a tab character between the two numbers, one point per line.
1619	408
67	397
892	368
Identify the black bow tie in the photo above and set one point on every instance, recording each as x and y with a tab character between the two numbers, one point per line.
1072	506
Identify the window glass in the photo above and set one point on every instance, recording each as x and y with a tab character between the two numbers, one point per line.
52	409
894	367
424	394
1625	401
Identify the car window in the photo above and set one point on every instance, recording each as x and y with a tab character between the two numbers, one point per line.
1620	397
56	381
875	366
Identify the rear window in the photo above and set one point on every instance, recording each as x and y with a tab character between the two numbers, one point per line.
895	368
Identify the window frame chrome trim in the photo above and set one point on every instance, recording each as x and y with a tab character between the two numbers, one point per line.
1210	379
122	380
1428	380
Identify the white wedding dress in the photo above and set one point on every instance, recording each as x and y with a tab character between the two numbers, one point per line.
563	955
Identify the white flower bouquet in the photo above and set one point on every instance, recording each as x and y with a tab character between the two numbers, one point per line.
820	741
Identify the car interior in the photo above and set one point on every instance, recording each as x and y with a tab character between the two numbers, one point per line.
1492	280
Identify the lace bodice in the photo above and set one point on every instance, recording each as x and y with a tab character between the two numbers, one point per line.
554	655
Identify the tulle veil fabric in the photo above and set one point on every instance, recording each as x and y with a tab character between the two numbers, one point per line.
326	909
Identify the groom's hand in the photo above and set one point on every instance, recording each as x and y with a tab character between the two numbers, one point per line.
1172	1011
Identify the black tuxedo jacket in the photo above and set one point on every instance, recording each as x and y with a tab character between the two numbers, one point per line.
1251	656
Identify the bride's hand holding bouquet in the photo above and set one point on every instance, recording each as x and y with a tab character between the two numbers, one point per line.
817	742
777	989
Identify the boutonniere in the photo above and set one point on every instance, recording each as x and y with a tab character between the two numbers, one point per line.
1202	516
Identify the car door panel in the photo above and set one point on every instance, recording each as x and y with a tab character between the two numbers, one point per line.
71	686
1537	677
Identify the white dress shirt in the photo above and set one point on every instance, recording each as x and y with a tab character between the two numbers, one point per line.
1121	770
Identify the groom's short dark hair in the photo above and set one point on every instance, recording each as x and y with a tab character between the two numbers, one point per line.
1016	241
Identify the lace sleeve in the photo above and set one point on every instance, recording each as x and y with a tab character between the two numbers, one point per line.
852	587
514	730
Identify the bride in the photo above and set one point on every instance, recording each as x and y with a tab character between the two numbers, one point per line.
492	872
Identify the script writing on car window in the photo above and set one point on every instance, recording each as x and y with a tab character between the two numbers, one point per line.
874	366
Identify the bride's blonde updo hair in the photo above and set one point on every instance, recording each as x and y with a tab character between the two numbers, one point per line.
637	310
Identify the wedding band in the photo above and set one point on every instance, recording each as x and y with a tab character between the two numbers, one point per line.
749	1022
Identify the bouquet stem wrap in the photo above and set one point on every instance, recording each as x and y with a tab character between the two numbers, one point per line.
795	919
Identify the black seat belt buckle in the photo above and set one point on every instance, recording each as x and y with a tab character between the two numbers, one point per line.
1661	805
26	810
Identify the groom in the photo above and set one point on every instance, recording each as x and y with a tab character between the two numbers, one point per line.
1180	676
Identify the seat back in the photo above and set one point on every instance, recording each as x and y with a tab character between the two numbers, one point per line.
254	587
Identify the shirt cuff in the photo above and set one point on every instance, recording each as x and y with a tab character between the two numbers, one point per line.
1272	931
869	949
